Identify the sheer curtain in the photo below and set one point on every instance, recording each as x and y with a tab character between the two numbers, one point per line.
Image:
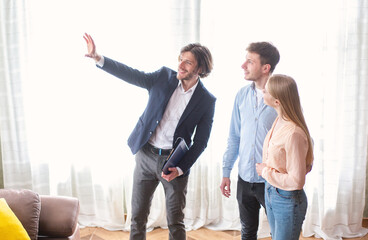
13	69
78	118
336	187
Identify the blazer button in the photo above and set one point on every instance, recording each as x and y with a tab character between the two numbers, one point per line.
151	133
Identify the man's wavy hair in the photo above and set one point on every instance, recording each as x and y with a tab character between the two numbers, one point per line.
203	56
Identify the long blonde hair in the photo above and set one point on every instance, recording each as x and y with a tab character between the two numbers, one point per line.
284	89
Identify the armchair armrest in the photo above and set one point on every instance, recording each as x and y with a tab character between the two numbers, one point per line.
26	206
59	216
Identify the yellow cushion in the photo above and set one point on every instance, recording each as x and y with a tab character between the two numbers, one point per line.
10	227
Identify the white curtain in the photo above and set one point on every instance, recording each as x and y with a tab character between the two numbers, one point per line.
13	70
78	118
336	187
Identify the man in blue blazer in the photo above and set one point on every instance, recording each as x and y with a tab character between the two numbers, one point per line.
178	107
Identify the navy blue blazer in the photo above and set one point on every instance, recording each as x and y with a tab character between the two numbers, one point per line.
197	116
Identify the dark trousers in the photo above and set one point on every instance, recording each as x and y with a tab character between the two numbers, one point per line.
147	176
250	197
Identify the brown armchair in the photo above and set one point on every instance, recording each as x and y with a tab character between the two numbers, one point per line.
44	217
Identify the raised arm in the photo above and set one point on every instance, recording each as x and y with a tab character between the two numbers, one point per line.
91	48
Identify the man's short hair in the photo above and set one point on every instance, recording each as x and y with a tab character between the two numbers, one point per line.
267	51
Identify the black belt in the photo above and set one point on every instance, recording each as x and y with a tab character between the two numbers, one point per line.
158	151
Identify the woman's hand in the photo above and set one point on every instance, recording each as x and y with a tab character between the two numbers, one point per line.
260	167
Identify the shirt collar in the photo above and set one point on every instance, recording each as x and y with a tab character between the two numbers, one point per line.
180	86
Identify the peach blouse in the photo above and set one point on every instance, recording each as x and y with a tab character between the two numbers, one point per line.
285	153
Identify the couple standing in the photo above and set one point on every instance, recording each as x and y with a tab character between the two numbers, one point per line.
269	135
179	106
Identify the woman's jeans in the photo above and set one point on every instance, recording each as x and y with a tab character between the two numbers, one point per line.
285	212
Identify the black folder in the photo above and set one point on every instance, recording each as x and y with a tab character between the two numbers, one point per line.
180	148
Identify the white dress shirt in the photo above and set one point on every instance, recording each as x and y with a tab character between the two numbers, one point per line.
163	136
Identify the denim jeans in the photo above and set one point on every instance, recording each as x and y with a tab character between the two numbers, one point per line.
285	212
250	197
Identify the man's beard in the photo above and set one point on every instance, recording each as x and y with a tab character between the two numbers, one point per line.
188	76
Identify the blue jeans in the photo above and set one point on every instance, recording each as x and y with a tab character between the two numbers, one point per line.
285	212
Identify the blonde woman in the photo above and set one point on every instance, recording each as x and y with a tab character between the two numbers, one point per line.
287	158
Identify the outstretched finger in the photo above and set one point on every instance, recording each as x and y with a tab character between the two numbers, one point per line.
87	37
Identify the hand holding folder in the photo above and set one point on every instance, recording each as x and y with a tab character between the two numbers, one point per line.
180	148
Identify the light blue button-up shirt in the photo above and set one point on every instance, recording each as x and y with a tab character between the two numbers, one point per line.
249	125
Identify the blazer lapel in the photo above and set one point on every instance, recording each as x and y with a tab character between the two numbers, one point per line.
197	95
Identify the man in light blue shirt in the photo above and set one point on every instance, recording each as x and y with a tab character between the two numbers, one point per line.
251	120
